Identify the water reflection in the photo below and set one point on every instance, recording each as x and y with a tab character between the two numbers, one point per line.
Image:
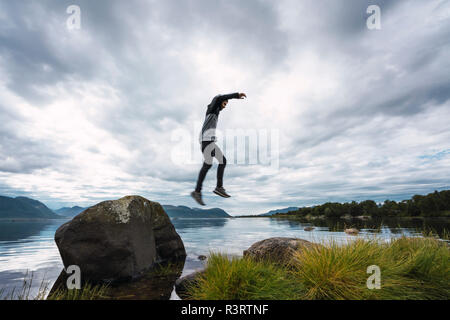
154	284
395	226
13	231
27	250
181	223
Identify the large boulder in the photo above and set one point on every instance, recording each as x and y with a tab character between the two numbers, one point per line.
119	240
277	249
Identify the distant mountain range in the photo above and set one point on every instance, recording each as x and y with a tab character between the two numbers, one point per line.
172	212
271	212
186	212
25	208
70	212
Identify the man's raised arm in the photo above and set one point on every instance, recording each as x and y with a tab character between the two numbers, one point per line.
218	100
236	95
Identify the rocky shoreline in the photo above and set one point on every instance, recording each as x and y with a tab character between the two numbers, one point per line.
131	246
279	250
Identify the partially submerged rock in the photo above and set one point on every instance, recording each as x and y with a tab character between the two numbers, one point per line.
279	249
119	240
182	284
309	229
352	231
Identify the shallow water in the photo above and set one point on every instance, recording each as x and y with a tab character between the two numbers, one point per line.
30	247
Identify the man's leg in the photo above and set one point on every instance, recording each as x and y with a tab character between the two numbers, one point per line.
201	176
220	170
222	164
207	164
208	148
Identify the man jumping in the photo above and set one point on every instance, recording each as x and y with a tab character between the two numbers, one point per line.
210	148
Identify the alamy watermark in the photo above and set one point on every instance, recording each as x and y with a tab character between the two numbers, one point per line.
73	22
74	280
374	281
240	147
374	20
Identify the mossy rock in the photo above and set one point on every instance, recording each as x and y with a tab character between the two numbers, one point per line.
119	240
278	250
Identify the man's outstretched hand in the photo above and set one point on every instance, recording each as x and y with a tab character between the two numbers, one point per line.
242	95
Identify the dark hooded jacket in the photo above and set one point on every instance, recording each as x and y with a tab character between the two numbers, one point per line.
208	132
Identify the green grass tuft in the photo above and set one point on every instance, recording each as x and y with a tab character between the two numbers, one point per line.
411	268
87	292
24	292
244	279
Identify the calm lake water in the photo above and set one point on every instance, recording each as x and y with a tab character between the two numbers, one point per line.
30	247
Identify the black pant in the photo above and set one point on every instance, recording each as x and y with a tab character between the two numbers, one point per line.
210	150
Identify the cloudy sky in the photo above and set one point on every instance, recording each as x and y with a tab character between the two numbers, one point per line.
94	113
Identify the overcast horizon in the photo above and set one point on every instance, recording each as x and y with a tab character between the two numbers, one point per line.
90	114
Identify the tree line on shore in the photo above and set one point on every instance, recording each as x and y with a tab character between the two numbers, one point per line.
432	205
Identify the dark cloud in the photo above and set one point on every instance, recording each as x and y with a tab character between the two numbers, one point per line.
24	156
19	153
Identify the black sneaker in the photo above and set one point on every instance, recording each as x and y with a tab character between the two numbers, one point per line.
221	192
197	197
